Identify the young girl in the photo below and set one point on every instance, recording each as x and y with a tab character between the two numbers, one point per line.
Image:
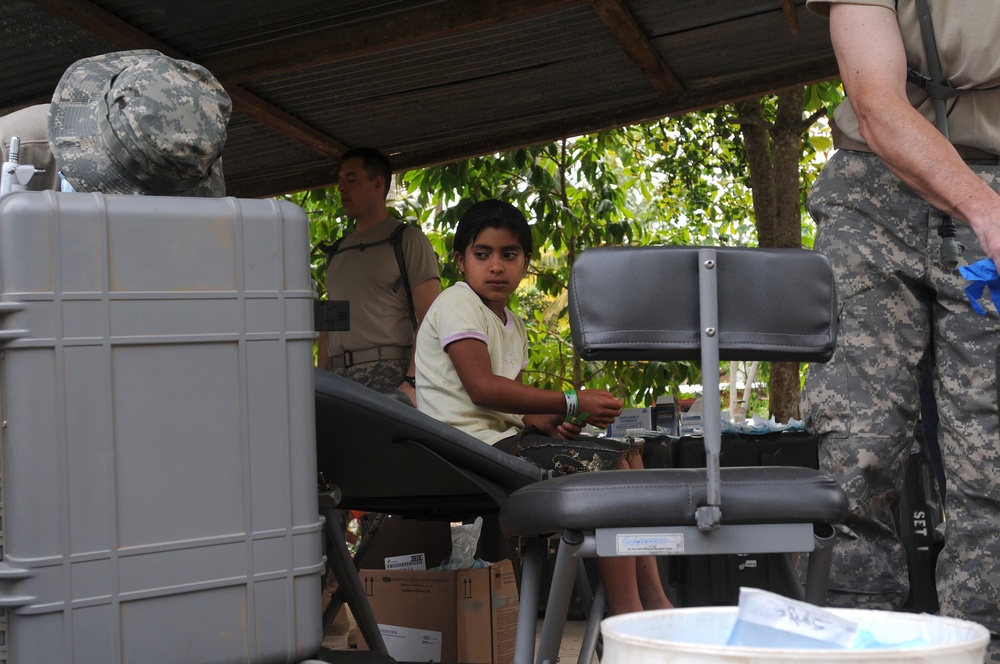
471	350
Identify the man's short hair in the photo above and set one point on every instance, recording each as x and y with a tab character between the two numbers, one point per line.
375	163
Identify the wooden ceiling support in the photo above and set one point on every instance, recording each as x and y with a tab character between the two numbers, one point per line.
791	15
404	27
636	45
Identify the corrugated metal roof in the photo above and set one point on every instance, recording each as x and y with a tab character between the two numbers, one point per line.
427	81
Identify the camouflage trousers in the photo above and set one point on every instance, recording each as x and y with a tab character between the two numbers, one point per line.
896	304
380	375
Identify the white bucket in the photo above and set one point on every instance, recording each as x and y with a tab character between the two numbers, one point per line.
698	636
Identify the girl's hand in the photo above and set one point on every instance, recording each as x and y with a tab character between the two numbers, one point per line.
601	407
566	431
555	427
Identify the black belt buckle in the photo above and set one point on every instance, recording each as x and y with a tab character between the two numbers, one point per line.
348	359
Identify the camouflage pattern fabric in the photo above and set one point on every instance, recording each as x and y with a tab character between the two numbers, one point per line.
138	122
896	303
380	375
580	455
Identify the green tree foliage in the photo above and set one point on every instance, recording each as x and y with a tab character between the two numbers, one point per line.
681	180
781	172
577	193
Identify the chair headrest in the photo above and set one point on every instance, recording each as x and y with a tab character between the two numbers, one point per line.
642	303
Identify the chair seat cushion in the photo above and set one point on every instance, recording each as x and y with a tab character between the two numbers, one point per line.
665	497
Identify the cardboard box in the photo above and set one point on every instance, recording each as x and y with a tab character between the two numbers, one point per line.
399	537
632	418
487	614
467	616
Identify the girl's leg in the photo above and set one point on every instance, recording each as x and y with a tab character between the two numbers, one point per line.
619	578
650	587
648	583
631	584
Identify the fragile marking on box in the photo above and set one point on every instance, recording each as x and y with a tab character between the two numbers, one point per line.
651	544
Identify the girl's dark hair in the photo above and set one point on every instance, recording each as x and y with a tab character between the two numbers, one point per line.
492	214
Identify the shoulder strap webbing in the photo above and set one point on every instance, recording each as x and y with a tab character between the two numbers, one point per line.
396	240
937	87
397	244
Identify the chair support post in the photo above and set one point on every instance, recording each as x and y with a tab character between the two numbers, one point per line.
571	544
818	568
527	616
589	643
710	515
340	561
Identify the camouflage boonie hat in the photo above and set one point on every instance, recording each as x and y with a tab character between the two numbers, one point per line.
138	122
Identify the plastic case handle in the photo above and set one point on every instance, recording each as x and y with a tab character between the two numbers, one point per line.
8	573
6	309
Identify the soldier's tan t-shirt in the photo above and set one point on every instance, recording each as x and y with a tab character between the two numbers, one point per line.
966	32
379	315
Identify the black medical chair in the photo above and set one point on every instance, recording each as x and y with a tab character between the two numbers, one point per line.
675	303
378	454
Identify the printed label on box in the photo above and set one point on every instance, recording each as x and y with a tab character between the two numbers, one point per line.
631	418
412	561
651	544
406	644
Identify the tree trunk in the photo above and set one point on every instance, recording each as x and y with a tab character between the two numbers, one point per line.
773	151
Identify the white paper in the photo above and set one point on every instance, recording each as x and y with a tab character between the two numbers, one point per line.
411	561
773	611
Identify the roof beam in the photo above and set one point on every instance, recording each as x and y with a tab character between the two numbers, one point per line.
318	174
407	26
104	24
654	109
109	27
791	15
637	46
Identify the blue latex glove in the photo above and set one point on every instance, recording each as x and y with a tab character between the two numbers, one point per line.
982	274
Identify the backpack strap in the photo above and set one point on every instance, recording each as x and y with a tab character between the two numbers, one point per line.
330	250
396	240
938	88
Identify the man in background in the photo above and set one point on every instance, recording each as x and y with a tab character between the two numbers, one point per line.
387	273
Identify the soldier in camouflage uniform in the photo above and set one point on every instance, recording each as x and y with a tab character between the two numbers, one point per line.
138	122
872	205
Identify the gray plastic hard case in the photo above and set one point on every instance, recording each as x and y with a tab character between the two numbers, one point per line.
158	450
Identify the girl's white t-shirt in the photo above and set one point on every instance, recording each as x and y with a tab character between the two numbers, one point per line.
458	313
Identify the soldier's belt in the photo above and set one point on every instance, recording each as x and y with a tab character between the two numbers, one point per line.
352	357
